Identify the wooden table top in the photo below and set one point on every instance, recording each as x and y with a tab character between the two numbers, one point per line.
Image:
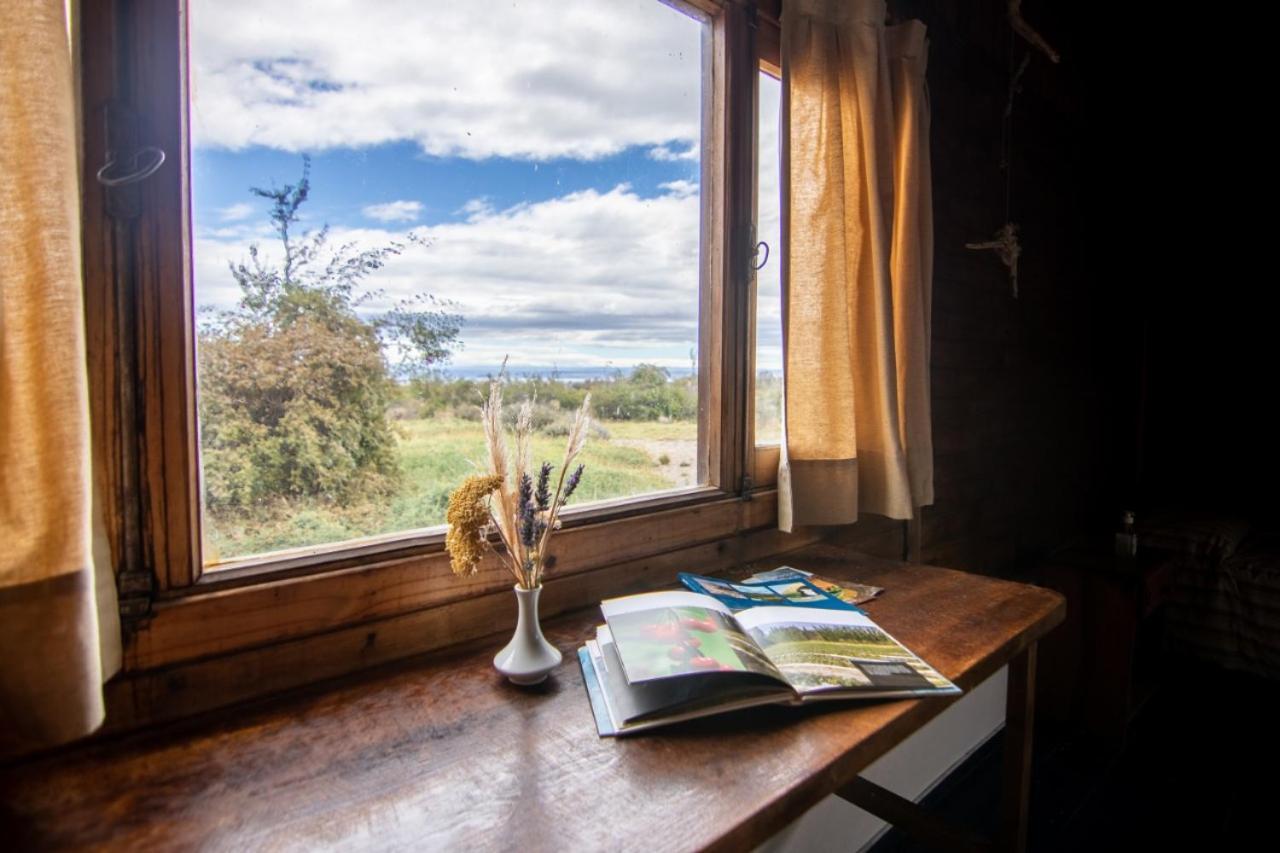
441	753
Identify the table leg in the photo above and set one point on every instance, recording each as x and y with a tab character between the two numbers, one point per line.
1018	720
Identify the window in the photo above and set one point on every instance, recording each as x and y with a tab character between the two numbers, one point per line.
768	363
156	280
372	235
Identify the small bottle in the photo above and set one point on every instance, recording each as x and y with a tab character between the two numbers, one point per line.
1127	538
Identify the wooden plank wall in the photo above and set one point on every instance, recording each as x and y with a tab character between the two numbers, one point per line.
1020	423
184	688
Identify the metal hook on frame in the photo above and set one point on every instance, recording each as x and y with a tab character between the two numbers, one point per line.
759	266
140	169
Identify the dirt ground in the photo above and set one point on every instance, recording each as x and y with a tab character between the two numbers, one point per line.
681	469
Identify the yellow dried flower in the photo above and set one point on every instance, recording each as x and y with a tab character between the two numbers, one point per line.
467	515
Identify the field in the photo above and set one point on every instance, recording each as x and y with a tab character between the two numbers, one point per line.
622	458
816	656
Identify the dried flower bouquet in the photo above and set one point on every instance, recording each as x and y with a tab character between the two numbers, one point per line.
522	510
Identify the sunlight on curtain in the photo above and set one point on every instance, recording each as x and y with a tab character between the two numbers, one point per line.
858	232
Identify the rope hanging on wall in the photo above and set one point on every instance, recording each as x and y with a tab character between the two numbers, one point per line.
1005	243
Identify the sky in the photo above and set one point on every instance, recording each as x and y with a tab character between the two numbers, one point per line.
544	154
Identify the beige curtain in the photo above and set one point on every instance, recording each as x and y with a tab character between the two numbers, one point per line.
55	649
857	271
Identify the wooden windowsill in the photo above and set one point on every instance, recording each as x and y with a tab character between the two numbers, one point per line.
439	752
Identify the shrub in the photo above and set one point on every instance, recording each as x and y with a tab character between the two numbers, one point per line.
294	411
294	385
648	394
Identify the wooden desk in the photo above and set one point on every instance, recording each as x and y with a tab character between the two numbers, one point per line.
441	753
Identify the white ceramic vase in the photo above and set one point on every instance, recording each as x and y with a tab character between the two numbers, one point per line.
528	658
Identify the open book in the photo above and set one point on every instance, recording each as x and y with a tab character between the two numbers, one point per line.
663	657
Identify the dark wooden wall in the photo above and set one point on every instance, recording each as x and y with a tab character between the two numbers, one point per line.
1210	440
1027	392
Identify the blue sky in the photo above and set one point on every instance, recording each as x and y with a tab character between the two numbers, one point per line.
548	163
347	180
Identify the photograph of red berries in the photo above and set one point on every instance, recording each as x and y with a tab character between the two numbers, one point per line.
671	641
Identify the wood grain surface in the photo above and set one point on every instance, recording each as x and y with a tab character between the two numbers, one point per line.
440	753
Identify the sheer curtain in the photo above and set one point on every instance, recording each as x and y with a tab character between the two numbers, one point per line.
56	650
857	270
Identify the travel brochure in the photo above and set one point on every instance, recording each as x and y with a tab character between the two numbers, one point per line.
849	593
785	586
663	657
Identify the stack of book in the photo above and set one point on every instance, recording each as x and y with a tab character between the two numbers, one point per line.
783	637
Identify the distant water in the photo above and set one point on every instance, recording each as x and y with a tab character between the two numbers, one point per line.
564	374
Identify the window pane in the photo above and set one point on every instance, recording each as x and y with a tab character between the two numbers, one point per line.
389	199
769	278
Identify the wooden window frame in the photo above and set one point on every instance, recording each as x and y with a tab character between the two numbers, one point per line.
140	322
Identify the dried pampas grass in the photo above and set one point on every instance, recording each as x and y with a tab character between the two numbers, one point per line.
523	511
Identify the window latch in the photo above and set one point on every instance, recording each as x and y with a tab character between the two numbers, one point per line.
127	161
758	262
142	163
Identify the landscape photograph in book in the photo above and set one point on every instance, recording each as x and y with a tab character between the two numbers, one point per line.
722	588
670	641
814	656
738	595
797	591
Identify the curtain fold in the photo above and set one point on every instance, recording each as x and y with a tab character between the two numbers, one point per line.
56	649
857	229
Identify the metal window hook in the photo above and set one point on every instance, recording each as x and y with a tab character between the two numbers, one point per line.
756	254
143	163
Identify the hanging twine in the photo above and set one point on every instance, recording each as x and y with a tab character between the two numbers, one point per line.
1005	244
1007	248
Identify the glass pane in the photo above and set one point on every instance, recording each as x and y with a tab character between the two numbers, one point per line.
391	198
769	278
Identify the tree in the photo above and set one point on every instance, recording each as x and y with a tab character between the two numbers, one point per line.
647	394
294	382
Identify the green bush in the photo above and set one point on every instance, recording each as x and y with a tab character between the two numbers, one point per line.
440	395
294	384
648	394
294	411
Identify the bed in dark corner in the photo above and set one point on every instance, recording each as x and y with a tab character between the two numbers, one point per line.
1224	596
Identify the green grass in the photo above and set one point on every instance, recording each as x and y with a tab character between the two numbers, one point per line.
435	455
653	430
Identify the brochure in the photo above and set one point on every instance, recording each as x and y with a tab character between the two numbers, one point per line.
850	593
797	591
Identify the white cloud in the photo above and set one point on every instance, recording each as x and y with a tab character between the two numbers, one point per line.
484	78
236	212
680	187
590	278
476	207
394	211
666	154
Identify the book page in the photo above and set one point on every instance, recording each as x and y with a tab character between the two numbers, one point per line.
830	650
651	600
628	704
677	634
